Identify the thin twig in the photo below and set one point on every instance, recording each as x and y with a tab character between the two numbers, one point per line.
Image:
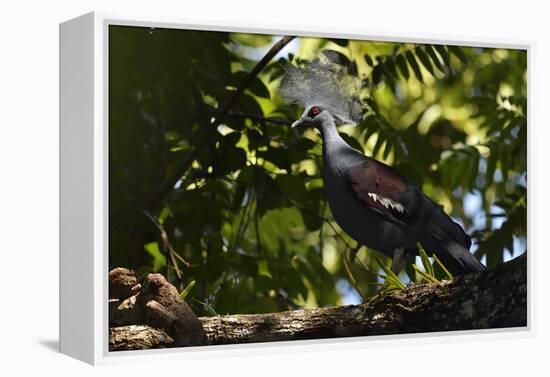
351	277
255	117
257	226
186	263
321	249
167	246
368	270
243	222
250	77
256	215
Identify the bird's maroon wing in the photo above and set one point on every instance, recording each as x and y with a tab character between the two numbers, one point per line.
382	188
392	195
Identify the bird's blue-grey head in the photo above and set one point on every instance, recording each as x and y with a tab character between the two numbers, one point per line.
325	91
317	116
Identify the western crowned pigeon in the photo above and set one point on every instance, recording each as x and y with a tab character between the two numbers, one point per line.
372	202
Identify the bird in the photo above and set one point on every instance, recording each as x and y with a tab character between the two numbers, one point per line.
380	208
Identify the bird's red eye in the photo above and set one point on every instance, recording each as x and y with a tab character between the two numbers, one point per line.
315	110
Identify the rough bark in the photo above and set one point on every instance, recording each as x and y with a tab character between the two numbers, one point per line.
123	283
157	305
494	298
138	337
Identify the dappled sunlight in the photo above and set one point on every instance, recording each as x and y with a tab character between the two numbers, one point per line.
243	203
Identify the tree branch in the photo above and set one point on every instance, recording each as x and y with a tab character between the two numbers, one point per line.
495	298
492	299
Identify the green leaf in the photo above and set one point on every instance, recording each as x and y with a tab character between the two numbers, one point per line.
352	68
414	65
425	276
387	149
336	57
442	266
403	67
248	104
279	156
256	85
391	68
425	261
457	51
390	276
424	59
232	138
159	259
435	59
473	167
293	186
233	158
340	42
352	141
379	142
378	74
491	166
373	105
369	60
187	289
444	55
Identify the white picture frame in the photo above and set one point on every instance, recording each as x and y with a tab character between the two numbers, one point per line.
84	191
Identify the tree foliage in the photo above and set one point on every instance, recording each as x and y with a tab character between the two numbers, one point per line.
246	220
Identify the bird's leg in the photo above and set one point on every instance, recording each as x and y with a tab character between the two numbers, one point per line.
400	259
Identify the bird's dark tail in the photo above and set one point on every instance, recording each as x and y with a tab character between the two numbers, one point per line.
459	260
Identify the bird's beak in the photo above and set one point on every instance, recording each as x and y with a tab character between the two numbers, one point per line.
298	123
